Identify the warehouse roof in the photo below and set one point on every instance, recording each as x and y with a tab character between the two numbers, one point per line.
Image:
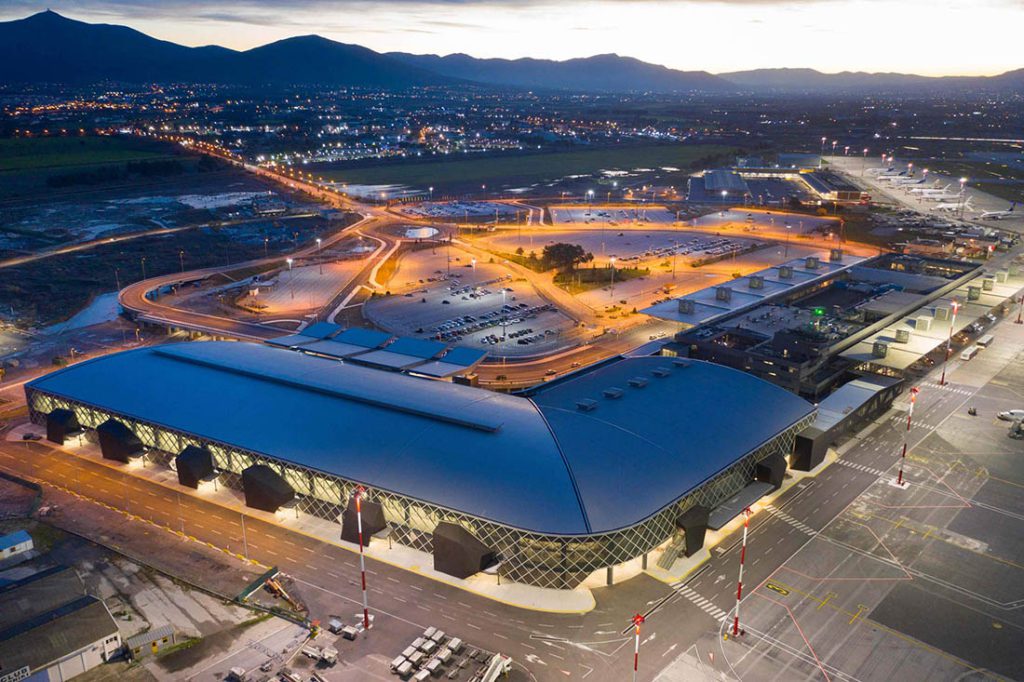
541	463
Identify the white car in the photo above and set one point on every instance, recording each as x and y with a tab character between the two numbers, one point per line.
1011	415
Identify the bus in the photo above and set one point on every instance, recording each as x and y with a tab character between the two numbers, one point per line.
985	341
969	352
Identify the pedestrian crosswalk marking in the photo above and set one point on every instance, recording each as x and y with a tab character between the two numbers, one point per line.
700	602
861	467
783	516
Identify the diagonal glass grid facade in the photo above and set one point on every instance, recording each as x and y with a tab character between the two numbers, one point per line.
551	561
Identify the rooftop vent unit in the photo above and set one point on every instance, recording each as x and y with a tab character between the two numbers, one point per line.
638	382
923	323
835	256
973	293
586	405
811	263
661	372
942	313
988	283
686	306
756	282
723	294
1002	276
902	335
880	349
785	272
681	362
613	393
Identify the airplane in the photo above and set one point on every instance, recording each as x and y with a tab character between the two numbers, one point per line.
942	196
930	190
954	206
878	171
998	215
903	182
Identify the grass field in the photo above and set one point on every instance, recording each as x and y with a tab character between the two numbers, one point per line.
38	153
522	169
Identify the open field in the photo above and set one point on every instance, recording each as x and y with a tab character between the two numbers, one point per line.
53	289
522	169
21	154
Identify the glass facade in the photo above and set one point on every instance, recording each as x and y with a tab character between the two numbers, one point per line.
552	561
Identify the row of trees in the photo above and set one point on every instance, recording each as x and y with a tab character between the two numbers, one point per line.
561	256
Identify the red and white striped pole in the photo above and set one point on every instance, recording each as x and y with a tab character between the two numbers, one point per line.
739	583
910	413
637	620
360	490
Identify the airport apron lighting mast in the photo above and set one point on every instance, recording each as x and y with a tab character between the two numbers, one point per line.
910	414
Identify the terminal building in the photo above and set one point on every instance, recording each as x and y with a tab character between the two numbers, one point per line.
549	488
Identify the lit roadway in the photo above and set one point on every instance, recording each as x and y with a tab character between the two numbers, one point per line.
622	337
552	646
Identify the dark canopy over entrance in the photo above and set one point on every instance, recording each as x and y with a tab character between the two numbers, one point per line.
117	441
193	465
771	469
458	553
265	489
373	520
694	522
61	423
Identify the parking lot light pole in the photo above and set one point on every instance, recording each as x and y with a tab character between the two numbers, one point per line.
739	582
612	261
910	413
319	258
1020	311
637	621
360	490
949	343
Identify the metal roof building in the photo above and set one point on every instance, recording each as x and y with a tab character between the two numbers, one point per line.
613	454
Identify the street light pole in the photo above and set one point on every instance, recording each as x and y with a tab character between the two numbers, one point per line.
637	621
739	582
963	195
362	560
612	261
1020	311
319	258
821	157
910	413
949	343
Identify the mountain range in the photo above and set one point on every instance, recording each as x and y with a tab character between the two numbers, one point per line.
49	48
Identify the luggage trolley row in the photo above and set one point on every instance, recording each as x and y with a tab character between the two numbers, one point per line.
426	656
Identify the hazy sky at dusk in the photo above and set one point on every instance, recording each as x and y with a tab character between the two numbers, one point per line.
932	37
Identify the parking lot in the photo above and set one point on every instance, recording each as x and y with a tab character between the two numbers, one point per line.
475	304
611	216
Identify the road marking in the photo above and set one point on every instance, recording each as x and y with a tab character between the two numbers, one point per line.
694	598
783	516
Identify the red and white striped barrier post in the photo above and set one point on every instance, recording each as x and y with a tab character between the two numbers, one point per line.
637	620
910	413
360	490
739	583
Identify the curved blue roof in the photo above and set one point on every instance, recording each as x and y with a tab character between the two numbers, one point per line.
539	464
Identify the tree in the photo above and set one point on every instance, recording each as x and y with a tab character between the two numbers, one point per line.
563	256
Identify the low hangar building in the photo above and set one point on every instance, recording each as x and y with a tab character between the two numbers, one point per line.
579	475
